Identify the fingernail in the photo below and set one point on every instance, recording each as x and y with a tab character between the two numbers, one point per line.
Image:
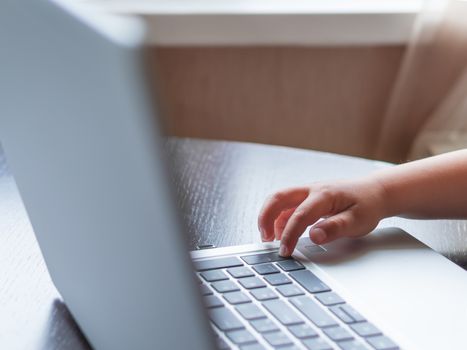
318	235
283	251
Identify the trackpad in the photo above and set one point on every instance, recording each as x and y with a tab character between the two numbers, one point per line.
308	248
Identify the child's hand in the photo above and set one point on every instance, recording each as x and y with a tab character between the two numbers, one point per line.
349	209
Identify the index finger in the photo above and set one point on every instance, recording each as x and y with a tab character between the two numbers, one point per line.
276	204
310	211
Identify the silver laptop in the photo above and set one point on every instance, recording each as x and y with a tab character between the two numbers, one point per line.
83	140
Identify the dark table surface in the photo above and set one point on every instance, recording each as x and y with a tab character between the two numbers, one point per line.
221	187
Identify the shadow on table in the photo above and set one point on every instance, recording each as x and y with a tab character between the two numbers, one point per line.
62	332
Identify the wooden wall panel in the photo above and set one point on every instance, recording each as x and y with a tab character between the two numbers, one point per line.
321	98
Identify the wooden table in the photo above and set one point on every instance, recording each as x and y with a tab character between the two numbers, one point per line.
221	187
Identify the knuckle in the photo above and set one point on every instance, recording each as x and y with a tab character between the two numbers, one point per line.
287	239
337	223
299	215
326	193
276	197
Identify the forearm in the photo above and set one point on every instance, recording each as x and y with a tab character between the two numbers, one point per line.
434	187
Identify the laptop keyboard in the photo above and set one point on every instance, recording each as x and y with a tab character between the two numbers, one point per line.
265	301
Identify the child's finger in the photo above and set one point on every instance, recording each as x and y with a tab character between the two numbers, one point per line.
339	225
307	213
275	205
281	221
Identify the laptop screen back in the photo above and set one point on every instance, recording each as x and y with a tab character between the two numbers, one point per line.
80	136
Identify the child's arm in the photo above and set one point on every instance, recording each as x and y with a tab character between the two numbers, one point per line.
435	187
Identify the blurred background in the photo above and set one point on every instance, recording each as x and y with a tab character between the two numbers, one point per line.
380	79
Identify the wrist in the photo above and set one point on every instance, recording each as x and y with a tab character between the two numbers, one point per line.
385	202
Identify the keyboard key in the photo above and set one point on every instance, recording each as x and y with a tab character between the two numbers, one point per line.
212	301
214	275
282	312
225	286
313	312
250	311
264	325
290	265
329	298
341	314
225	319
349	310
352	345
251	282
338	333
240	272
382	343
309	281
365	329
265	269
237	298
241	336
262	294
316	344
262	258
290	290
221	263
302	331
277	339
205	290
277	279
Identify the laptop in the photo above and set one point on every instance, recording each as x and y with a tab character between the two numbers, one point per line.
84	142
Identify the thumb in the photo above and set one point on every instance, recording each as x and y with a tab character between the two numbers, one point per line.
339	225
